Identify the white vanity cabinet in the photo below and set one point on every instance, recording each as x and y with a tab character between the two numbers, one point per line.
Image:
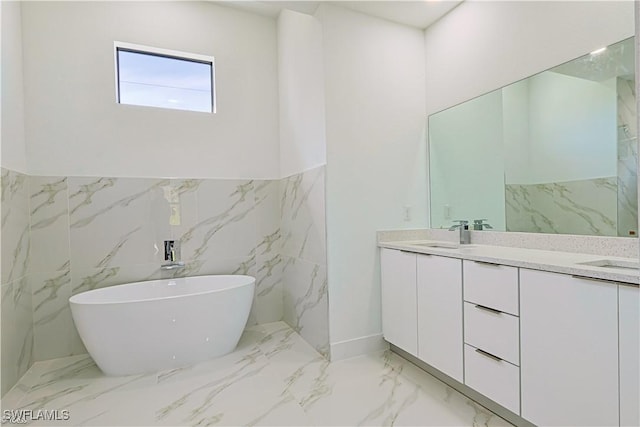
439	281
629	321
422	307
555	349
568	350
399	307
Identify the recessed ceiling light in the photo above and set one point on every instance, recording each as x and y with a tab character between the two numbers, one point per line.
597	51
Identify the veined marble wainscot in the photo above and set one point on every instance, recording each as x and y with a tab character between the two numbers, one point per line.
17	299
517	327
64	235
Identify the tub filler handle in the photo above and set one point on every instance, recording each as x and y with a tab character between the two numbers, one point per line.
172	254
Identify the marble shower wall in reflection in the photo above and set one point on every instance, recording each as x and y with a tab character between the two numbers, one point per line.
573	207
627	157
65	235
303	232
17	325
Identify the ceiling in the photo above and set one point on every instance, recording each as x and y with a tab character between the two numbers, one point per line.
419	14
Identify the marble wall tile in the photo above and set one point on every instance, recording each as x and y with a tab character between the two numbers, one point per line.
174	210
268	218
268	302
9	356
17	323
226	224
110	221
49	219
200	267
269	299
573	207
24	339
302	205
306	306
627	104
89	233
15	226
303	216
88	279
627	158
52	324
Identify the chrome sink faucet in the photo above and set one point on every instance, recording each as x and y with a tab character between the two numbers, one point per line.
480	224
463	227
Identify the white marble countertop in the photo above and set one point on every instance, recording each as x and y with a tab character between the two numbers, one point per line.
535	259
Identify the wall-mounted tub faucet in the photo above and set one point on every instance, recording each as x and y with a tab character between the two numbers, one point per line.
463	226
172	255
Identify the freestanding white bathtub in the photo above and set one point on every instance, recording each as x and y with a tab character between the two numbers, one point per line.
161	324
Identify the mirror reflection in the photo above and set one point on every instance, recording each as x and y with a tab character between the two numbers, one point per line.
553	153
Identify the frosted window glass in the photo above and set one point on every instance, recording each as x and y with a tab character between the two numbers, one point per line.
166	82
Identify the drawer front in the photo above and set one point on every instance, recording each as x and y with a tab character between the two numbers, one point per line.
494	286
498	380
495	333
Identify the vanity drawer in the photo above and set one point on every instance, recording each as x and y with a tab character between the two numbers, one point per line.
494	332
491	285
497	379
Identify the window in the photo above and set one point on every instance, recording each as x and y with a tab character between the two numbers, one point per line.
163	78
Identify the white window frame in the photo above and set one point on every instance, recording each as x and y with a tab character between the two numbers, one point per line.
172	54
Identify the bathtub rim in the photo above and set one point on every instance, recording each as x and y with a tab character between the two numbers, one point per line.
251	280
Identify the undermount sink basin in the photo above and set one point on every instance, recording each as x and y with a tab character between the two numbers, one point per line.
443	245
609	263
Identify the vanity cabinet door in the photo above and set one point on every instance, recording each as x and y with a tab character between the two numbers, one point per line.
568	350
440	341
629	305
398	281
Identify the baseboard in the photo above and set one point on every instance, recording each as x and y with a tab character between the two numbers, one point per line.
357	347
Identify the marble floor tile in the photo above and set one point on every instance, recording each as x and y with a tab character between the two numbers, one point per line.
273	377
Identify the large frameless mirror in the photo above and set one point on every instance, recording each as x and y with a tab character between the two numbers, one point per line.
553	153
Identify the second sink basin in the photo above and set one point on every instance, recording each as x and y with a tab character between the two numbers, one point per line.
609	263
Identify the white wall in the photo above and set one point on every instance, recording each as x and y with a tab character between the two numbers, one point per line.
376	151
301	90
75	127
13	150
483	45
